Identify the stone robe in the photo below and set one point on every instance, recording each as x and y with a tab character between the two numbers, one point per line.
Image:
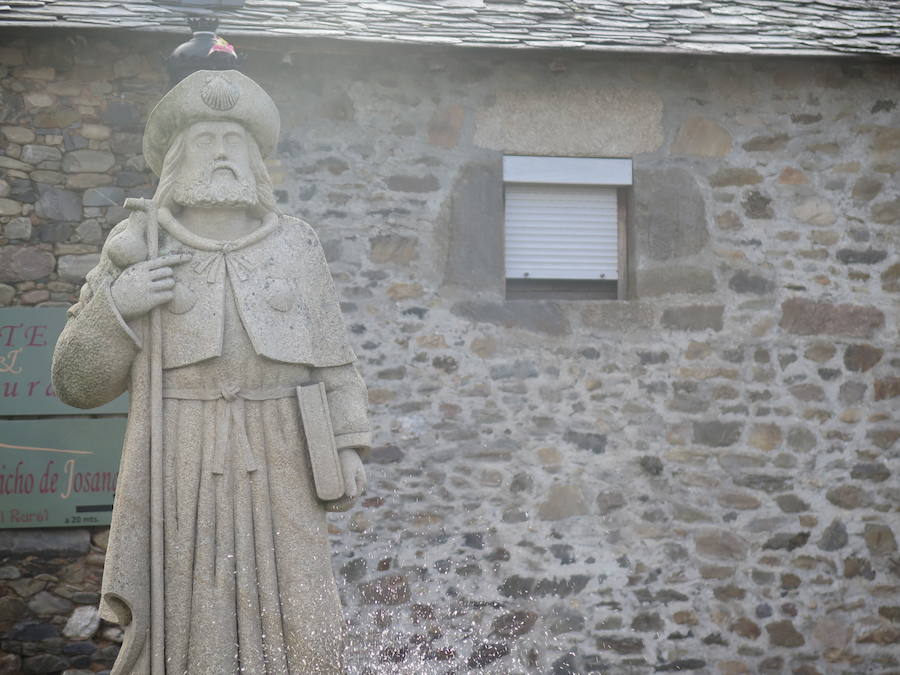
249	584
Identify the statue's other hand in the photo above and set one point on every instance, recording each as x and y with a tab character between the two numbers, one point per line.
145	285
354	473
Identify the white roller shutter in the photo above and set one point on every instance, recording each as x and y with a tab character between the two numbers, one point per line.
561	231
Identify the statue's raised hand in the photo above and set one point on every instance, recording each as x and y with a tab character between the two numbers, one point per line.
146	284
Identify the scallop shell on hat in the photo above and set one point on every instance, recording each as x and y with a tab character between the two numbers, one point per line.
219	94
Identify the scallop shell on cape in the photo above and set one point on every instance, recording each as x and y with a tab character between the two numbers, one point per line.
219	94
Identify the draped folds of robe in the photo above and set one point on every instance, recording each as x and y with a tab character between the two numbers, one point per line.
249	585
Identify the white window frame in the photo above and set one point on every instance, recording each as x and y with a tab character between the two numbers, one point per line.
579	171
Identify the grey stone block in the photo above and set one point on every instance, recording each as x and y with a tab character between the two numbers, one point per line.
670	280
393	248
475	256
104	196
834	537
670	214
694	317
413	183
758	206
598	121
88	161
121	114
45	542
596	443
55	232
44	663
614	316
24	263
539	317
744	282
46	603
519	370
56	204
802	316
18	228
75	267
717	434
869	256
35	154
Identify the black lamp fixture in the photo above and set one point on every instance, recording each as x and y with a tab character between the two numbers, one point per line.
205	50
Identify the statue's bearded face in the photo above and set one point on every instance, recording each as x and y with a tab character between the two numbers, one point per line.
215	169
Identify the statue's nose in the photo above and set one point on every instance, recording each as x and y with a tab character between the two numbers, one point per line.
220	148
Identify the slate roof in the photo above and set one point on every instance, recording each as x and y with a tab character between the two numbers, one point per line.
798	27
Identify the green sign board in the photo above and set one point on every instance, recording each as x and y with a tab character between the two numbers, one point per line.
27	338
59	472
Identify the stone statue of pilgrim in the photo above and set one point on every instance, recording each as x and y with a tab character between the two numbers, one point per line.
248	312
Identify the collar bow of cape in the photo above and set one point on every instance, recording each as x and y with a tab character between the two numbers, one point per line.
224	252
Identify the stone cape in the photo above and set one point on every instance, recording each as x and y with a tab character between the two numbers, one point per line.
282	289
279	545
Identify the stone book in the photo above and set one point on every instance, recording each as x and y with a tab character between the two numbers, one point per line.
323	455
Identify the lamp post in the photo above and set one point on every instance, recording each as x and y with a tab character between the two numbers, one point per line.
205	50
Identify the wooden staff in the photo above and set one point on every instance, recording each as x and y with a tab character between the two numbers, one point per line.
157	513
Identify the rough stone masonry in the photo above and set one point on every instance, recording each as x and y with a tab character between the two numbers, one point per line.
700	478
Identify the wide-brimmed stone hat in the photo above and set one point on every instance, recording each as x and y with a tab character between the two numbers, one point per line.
216	95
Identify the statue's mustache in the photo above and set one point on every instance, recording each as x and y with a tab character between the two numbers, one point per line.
228	166
211	188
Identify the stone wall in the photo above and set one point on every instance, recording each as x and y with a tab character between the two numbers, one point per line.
702	477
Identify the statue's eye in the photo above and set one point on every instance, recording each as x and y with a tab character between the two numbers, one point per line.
233	139
203	140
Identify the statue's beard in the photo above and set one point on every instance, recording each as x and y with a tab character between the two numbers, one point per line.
215	190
